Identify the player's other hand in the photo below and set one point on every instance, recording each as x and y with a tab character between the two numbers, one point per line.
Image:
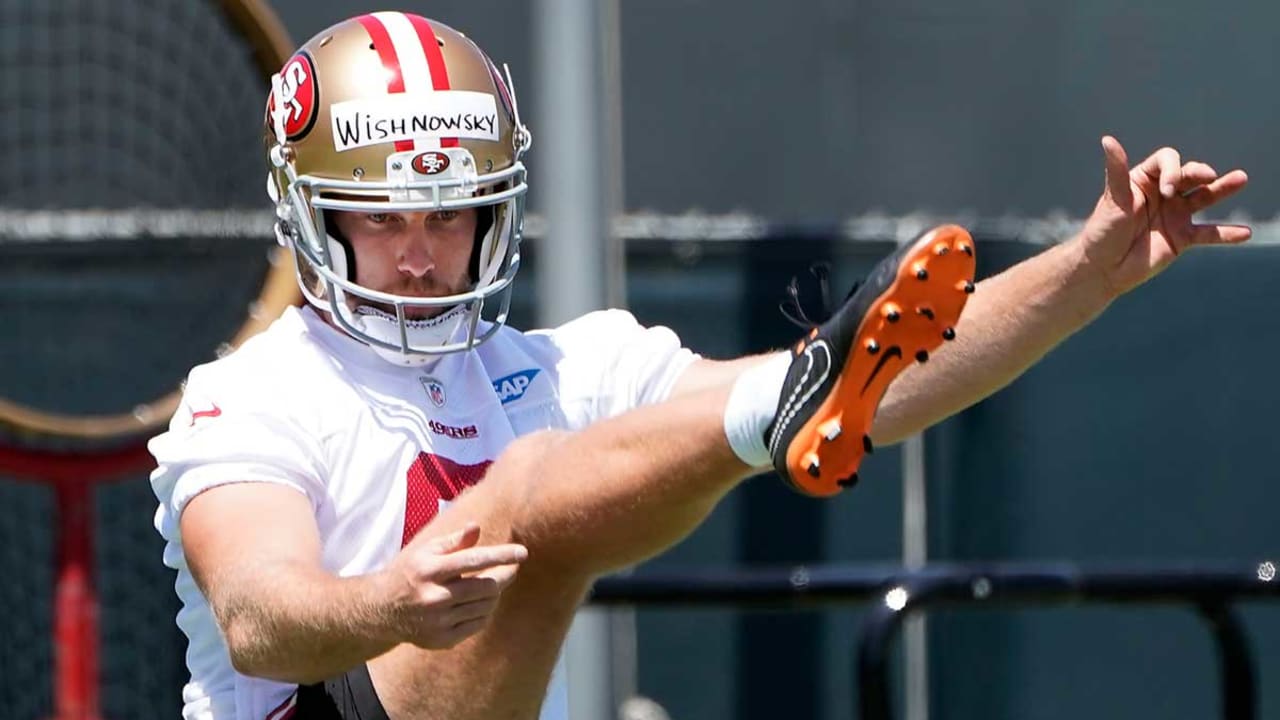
445	588
1143	220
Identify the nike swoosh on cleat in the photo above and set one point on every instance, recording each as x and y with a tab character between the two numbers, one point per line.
804	388
890	352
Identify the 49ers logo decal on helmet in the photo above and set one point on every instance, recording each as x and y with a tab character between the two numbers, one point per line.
300	94
430	163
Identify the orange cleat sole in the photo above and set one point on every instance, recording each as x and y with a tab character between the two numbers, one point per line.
909	306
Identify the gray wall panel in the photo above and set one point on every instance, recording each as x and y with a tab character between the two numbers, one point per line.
829	108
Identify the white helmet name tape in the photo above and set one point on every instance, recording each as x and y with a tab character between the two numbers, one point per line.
404	116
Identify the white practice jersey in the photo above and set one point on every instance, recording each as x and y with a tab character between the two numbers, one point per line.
377	449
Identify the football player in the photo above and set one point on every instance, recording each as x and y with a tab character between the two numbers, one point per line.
390	504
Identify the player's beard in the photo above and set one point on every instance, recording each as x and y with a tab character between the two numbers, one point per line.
428	287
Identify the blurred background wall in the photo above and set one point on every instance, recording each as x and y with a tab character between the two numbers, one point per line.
829	107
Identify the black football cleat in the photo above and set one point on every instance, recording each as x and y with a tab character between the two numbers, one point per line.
908	305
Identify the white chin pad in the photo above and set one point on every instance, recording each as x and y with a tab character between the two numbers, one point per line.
424	333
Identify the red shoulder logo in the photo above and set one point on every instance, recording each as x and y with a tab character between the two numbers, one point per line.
212	412
300	94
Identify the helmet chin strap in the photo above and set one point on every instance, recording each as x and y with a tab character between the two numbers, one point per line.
428	332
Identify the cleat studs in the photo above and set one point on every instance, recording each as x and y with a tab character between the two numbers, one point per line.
811	465
922	356
921	272
873	347
867	447
941	249
925	311
965	249
966	286
849	481
830	430
891	312
949	334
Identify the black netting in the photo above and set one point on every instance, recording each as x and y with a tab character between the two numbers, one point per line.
143	653
130	106
127	103
97	327
26	600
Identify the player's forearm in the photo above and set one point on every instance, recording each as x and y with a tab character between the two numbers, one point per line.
304	627
1010	322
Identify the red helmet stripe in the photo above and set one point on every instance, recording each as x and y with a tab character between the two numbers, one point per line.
435	61
390	61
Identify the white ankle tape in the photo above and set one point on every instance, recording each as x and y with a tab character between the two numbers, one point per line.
752	402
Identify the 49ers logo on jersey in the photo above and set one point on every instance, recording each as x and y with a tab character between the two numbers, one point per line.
430	163
300	94
453	431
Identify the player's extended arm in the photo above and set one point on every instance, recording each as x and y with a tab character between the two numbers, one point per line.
1141	223
254	550
1009	323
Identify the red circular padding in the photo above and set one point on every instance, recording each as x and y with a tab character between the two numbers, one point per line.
46	466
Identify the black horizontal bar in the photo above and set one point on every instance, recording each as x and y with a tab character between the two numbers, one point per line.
1208	587
998	582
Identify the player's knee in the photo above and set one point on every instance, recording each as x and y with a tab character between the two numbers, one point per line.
521	461
512	477
495	501
518	477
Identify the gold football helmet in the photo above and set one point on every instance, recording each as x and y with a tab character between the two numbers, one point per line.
391	112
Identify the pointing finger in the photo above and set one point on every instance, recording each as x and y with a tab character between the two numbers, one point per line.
468	536
475	559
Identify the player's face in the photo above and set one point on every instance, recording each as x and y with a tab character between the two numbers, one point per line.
419	254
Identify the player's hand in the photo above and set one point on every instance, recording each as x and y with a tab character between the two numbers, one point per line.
447	587
1143	220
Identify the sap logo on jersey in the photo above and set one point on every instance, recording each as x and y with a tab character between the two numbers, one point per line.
457	433
512	387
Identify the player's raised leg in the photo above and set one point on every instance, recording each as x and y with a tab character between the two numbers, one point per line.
626	488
